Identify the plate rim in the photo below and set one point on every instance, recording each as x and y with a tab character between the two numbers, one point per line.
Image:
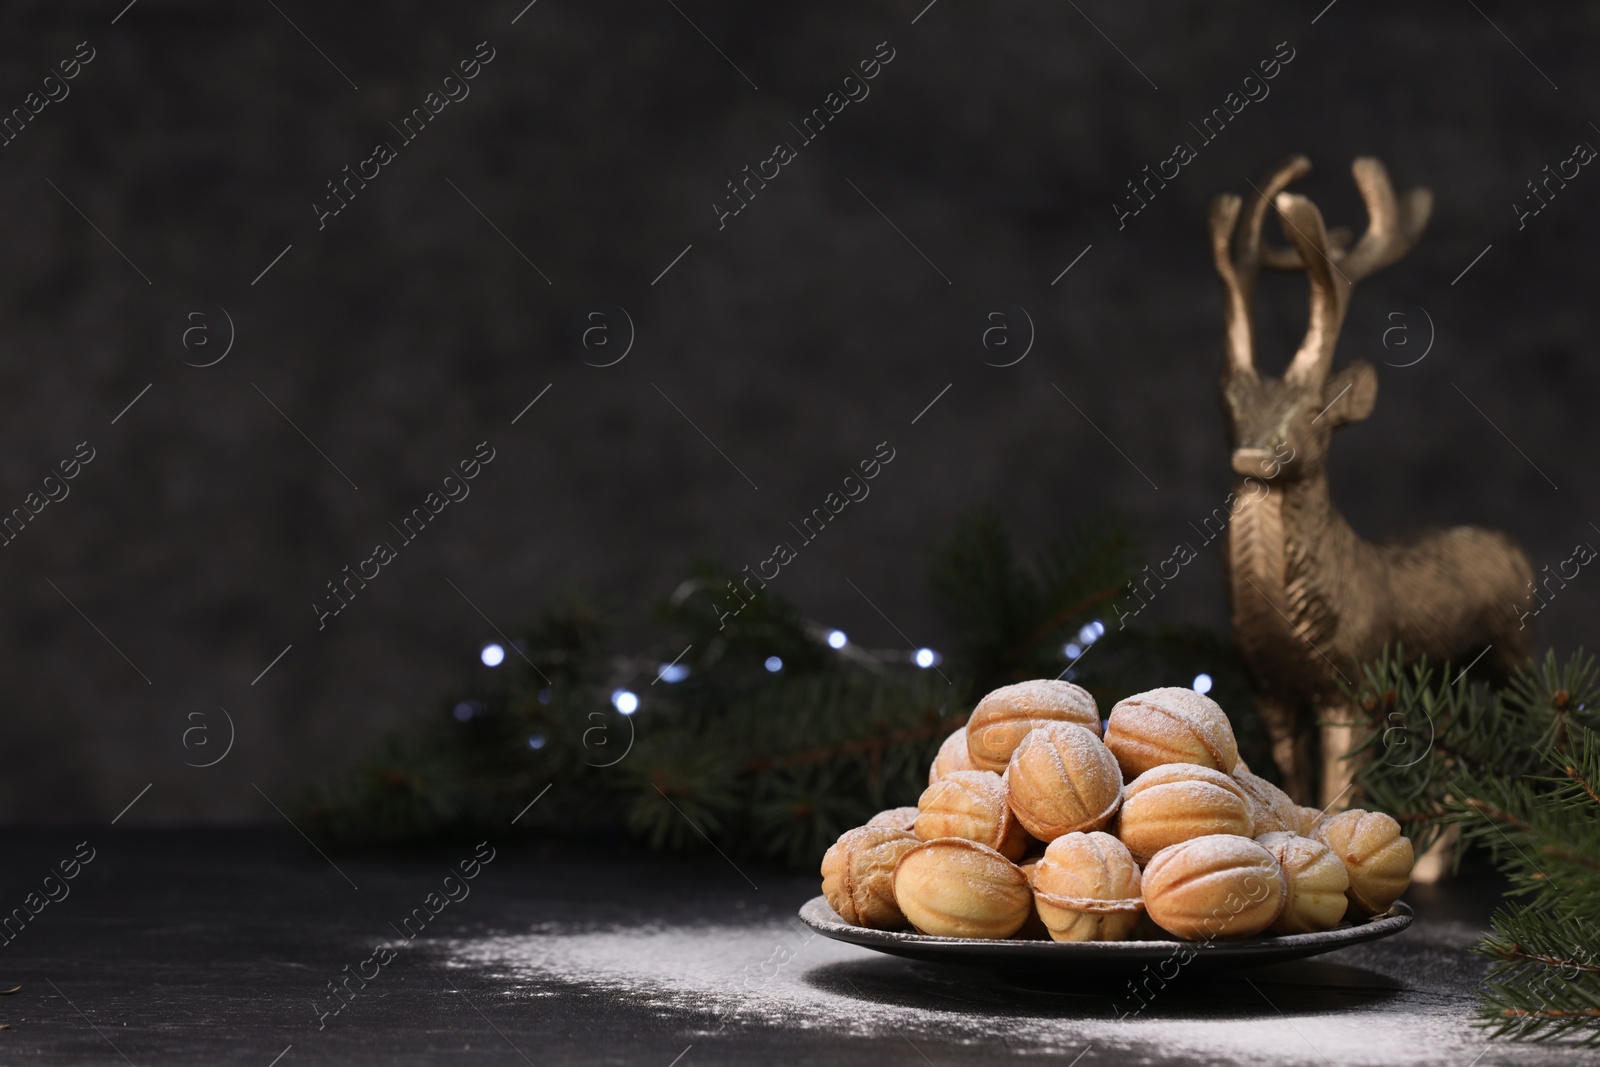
817	914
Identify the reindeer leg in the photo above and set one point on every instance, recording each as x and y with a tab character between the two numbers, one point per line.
1337	734
1434	865
1289	750
1302	785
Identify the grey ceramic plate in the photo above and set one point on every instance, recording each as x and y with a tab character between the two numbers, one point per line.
1036	958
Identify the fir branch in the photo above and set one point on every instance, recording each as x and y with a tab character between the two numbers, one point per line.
940	728
1572	772
1513	765
1060	619
1551	846
1517	954
766	741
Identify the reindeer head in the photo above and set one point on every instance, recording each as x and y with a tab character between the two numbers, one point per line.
1280	427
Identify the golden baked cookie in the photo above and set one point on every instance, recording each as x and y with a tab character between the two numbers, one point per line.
902	819
1273	809
1061	780
1087	888
1003	718
952	756
1170	726
1218	886
1178	802
858	875
971	804
952	887
1375	854
1306	819
1316	879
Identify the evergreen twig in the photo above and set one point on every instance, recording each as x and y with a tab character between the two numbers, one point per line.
1513	766
757	762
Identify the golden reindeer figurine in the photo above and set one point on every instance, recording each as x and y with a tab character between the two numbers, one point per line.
1310	599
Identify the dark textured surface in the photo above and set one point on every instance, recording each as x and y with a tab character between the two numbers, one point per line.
796	338
211	947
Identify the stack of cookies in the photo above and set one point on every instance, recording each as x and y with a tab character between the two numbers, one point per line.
1035	823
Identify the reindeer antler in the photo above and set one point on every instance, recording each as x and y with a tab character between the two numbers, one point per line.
1393	228
1329	260
1239	271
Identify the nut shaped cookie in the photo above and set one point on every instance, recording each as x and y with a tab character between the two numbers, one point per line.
1306	820
1375	854
1217	886
1062	780
1177	802
971	804
1087	888
1003	718
1316	879
1170	726
902	819
952	887
858	875
1272	808
952	756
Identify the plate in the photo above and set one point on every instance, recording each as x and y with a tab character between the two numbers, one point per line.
1069	959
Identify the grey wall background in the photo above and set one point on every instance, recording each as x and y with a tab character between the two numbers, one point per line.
797	338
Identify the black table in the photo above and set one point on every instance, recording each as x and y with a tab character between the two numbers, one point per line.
219	947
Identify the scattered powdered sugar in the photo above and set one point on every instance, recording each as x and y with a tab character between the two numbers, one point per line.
785	976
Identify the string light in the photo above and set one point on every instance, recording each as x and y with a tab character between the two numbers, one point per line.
774	664
536	742
1088	634
465	710
1202	683
674	672
492	655
925	658
625	701
837	639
